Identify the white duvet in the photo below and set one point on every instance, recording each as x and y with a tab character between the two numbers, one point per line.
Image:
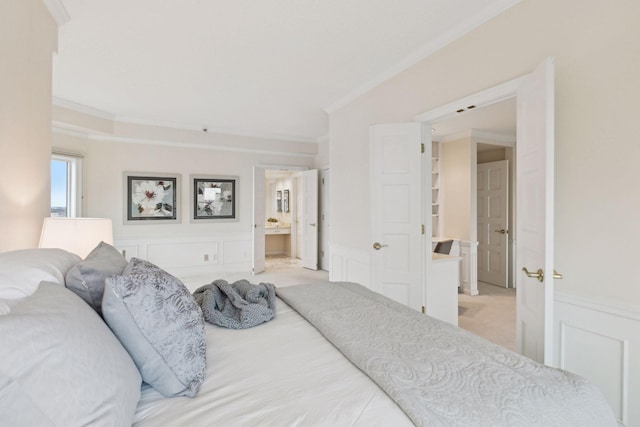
281	373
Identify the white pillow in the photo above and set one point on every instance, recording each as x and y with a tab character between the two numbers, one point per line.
60	365
22	271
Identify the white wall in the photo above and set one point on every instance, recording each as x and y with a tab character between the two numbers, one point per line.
28	39
153	149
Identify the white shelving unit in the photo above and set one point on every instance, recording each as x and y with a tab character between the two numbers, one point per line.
435	188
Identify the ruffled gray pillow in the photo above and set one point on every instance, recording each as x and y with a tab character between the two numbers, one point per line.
86	279
161	326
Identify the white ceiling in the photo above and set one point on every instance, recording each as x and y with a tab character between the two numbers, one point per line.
271	68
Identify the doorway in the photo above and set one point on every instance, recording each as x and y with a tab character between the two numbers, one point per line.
534	94
285	211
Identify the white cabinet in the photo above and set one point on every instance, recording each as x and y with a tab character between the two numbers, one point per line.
445	276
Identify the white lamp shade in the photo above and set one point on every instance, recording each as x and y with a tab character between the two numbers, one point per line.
76	235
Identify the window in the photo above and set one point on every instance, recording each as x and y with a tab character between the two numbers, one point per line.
66	185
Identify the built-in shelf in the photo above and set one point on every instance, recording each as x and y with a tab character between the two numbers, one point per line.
435	187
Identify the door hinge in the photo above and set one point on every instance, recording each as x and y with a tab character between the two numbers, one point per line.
423	309
422	147
422	228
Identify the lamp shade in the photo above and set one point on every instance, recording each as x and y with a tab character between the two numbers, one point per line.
76	235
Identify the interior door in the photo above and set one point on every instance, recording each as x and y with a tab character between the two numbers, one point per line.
534	213
310	218
396	212
493	221
258	219
324	219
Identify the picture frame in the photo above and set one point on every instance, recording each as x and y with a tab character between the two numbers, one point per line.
214	198
278	201
285	201
151	198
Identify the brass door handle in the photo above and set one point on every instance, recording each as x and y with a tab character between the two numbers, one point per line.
501	231
540	274
377	246
537	275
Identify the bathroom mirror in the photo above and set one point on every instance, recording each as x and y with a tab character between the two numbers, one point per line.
285	201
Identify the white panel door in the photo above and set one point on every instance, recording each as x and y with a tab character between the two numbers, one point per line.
534	213
258	220
310	218
493	220
396	212
324	219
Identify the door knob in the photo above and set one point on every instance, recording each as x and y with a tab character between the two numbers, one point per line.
537	275
501	231
377	246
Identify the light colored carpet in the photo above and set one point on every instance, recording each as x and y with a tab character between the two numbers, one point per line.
492	314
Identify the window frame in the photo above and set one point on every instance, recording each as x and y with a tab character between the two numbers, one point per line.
74	182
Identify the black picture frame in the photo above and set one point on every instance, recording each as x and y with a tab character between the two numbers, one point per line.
278	201
151	198
214	198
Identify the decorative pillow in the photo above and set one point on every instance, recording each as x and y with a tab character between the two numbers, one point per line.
22	271
159	323
86	279
61	365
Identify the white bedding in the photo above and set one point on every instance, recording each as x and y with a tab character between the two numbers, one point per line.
281	373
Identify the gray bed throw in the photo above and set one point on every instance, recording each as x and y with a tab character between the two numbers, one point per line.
237	305
441	375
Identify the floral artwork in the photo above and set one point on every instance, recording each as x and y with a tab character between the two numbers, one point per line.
151	198
214	198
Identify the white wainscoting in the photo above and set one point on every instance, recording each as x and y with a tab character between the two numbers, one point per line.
349	265
601	343
190	255
469	267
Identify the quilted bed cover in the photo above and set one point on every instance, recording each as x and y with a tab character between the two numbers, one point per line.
281	373
287	372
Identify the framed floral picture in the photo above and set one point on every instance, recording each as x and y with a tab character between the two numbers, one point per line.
151	198
214	198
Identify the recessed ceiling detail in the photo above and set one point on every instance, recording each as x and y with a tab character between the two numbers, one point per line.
269	67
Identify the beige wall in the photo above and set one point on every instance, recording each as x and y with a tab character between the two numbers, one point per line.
28	38
106	159
597	57
455	184
489	156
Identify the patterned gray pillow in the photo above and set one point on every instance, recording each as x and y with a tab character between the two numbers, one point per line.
161	326
86	279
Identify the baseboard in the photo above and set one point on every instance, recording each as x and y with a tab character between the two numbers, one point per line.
602	343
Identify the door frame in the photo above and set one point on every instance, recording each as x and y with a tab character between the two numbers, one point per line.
501	92
267	167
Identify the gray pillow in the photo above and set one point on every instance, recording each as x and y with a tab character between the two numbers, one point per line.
159	323
86	279
61	365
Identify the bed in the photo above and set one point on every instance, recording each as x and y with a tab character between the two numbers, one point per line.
336	354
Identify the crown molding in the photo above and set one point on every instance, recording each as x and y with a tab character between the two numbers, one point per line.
81	108
57	11
84	109
180	144
224	131
455	33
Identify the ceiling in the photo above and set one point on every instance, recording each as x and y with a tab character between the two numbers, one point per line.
269	68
